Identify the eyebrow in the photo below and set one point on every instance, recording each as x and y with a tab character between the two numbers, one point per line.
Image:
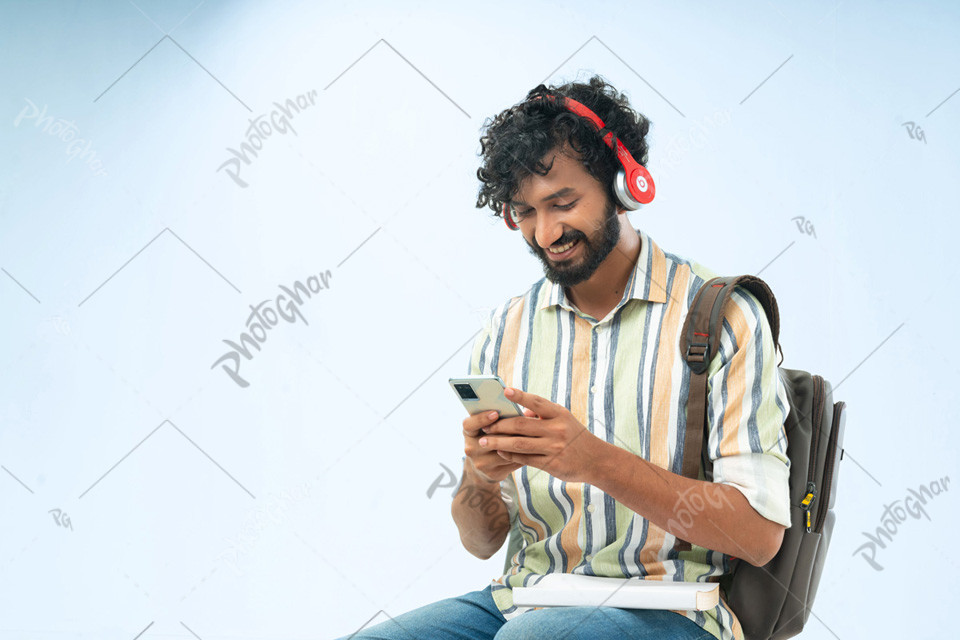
559	194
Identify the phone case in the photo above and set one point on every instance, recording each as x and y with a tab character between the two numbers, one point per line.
489	392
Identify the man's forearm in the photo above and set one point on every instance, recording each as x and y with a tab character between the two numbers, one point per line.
709	514
481	515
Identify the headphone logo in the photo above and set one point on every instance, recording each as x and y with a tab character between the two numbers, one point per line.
641	183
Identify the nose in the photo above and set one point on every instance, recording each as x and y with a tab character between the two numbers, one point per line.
548	229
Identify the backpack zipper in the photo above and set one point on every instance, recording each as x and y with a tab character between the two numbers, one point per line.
829	469
808	499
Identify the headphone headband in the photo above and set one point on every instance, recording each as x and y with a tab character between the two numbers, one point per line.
633	184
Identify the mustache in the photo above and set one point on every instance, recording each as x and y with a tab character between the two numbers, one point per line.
561	241
536	250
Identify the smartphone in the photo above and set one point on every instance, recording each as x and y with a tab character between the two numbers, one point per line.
485	393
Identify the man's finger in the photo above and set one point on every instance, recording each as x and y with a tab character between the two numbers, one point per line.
541	406
535	460
509	443
515	426
477	422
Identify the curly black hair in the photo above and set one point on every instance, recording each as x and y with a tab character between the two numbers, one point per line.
515	140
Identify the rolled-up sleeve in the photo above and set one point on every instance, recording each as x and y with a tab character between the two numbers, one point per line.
746	409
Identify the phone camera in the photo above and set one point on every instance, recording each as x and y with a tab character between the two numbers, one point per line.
466	392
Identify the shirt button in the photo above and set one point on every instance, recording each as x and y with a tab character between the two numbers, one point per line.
589	557
591	508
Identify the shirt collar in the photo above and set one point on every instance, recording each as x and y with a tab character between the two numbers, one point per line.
646	281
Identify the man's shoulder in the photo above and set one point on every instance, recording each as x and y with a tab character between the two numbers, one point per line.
700	274
694	265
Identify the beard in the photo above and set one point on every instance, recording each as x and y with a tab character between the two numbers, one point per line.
592	252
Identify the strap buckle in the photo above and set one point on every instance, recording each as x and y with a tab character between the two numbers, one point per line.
697	359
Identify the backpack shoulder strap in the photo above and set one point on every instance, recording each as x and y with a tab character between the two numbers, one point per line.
699	343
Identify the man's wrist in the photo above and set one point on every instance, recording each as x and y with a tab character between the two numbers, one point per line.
476	479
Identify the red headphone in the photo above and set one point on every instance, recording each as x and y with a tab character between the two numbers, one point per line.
633	184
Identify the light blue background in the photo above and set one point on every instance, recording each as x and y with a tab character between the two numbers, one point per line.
202	509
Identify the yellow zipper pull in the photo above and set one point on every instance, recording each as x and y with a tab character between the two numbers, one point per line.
808	500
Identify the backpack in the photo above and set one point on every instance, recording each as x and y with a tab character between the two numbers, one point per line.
772	602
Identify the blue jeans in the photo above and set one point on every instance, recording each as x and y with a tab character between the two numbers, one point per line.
474	616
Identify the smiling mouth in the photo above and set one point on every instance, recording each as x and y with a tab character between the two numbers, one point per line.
568	248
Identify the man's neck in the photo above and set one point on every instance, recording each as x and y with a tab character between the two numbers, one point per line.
602	292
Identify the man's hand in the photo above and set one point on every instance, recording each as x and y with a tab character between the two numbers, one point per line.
484	461
478	509
549	438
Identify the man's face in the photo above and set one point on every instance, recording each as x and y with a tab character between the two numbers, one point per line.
582	214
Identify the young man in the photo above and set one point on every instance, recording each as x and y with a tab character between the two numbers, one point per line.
591	351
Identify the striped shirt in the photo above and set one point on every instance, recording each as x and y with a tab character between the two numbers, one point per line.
623	377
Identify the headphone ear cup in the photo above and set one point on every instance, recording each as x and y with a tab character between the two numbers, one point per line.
509	218
636	190
623	193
